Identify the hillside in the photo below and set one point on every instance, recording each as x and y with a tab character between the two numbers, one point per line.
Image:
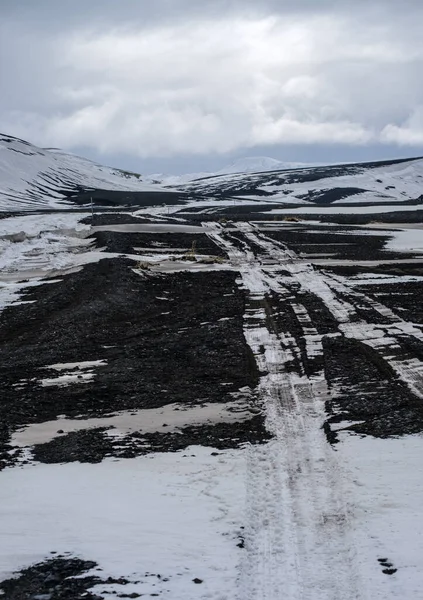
34	178
375	182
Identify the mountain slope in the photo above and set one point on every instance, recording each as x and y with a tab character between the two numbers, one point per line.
375	182
34	178
254	164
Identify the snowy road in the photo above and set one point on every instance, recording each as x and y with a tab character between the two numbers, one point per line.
301	535
298	537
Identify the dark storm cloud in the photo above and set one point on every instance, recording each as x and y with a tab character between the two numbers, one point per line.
181	77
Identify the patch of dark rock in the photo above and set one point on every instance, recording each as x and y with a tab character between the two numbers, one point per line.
389	571
320	316
331	436
125	198
240	242
113	218
364	309
220	435
162	336
197	580
55	579
409	216
331	195
94	445
342	243
366	389
246	210
402	298
126	243
89	446
389	567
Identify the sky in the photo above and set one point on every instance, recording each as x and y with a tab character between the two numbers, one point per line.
179	86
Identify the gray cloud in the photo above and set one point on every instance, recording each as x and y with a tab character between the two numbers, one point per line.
169	78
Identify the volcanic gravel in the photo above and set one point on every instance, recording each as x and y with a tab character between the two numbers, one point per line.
368	391
60	578
167	339
128	243
93	445
343	245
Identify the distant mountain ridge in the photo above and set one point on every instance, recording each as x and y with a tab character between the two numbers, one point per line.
376	182
33	178
251	164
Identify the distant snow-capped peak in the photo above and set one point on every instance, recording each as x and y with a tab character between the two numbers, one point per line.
251	164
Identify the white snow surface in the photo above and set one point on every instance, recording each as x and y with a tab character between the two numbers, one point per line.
385	490
248	164
177	515
406	240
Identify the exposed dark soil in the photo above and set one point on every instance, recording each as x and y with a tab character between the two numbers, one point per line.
60	578
162	337
126	243
94	445
367	390
113	219
239	214
405	299
124	198
383	269
342	245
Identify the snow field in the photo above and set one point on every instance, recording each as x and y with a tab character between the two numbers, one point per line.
178	515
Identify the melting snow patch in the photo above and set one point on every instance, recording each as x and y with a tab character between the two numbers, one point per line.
64	380
173	416
87	364
74	373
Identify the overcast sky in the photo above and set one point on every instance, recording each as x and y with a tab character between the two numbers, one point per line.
190	85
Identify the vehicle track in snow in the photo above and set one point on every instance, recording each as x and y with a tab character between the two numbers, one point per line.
298	534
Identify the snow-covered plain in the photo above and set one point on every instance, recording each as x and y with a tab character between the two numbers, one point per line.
177	515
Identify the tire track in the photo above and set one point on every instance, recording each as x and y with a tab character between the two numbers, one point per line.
298	526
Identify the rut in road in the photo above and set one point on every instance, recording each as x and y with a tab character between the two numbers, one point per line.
299	528
386	339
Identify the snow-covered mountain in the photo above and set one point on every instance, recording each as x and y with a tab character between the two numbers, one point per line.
255	164
33	177
37	178
251	164
375	182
